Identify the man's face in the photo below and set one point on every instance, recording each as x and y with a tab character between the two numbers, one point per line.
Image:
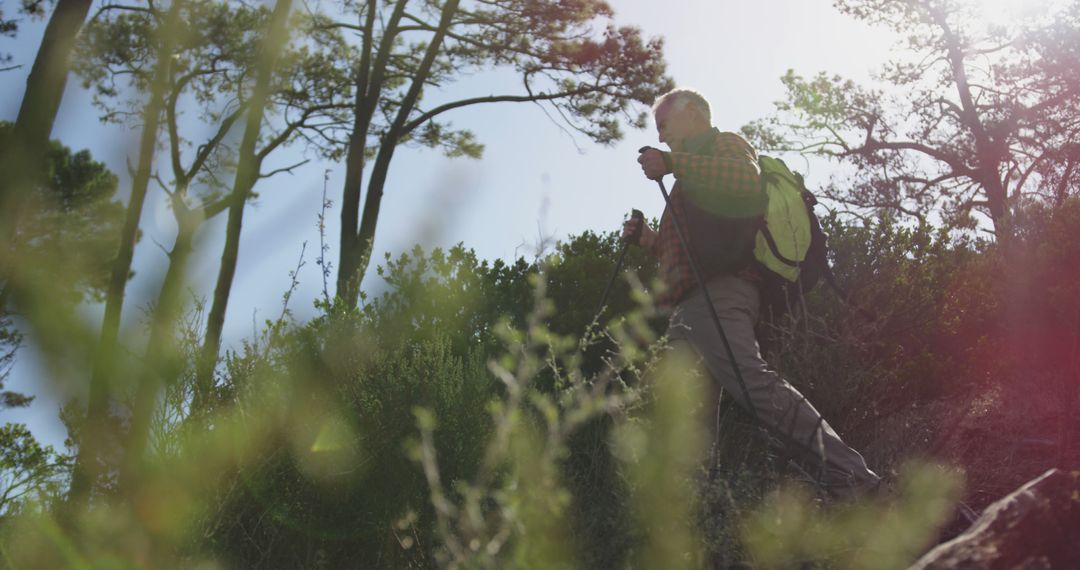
674	125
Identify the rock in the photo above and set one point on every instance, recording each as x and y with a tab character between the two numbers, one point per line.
1036	527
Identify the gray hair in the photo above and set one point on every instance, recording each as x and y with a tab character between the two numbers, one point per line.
681	97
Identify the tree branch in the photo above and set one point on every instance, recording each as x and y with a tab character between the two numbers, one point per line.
161	183
373	89
1061	192
174	134
215	207
289	130
954	162
1030	169
490	99
288	169
204	151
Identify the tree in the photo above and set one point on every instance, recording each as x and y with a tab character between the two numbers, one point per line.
10	340
9	27
88	466
28	469
64	245
22	159
314	94
405	48
426	341
207	87
66	240
974	122
69	226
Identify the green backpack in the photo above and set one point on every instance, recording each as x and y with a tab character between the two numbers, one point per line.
790	244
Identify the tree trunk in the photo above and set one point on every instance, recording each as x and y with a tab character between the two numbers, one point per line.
161	363
369	83
87	468
247	172
41	102
348	285
364	241
987	153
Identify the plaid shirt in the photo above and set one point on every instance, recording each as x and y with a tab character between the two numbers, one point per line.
721	172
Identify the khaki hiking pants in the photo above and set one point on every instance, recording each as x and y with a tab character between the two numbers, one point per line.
776	402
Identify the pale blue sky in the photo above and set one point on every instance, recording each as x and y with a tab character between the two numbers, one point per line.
533	179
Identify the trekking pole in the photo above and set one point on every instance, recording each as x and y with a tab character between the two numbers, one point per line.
632	238
708	300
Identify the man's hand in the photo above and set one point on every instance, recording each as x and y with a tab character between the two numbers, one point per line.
652	163
646	237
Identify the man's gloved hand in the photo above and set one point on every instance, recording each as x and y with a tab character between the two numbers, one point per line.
652	163
636	231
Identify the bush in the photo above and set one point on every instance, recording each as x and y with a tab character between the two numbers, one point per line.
474	416
331	488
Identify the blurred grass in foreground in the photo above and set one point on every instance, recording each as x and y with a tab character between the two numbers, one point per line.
330	445
791	529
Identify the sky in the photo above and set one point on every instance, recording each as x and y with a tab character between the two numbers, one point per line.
534	180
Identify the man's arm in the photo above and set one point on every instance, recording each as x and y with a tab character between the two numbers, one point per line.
719	174
731	169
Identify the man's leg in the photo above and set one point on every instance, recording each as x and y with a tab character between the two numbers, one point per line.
776	402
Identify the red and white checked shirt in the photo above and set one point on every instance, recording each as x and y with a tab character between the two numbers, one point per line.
722	168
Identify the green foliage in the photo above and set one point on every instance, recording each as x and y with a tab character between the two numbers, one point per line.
70	224
65	242
216	46
337	479
514	512
591	75
789	531
872	357
10	340
322	413
31	475
963	126
450	294
217	49
964	342
444	426
9	27
662	449
452	291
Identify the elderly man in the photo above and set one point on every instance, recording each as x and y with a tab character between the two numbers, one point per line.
717	183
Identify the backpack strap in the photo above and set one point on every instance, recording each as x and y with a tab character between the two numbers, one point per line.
763	225
772	245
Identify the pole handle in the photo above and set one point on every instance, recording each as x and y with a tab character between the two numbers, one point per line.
635	237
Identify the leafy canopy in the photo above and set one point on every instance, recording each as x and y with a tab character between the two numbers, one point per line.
969	121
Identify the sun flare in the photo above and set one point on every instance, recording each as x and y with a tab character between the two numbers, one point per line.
1005	12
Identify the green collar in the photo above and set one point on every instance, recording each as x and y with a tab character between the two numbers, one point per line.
702	143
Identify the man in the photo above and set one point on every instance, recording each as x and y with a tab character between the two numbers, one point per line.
717	172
